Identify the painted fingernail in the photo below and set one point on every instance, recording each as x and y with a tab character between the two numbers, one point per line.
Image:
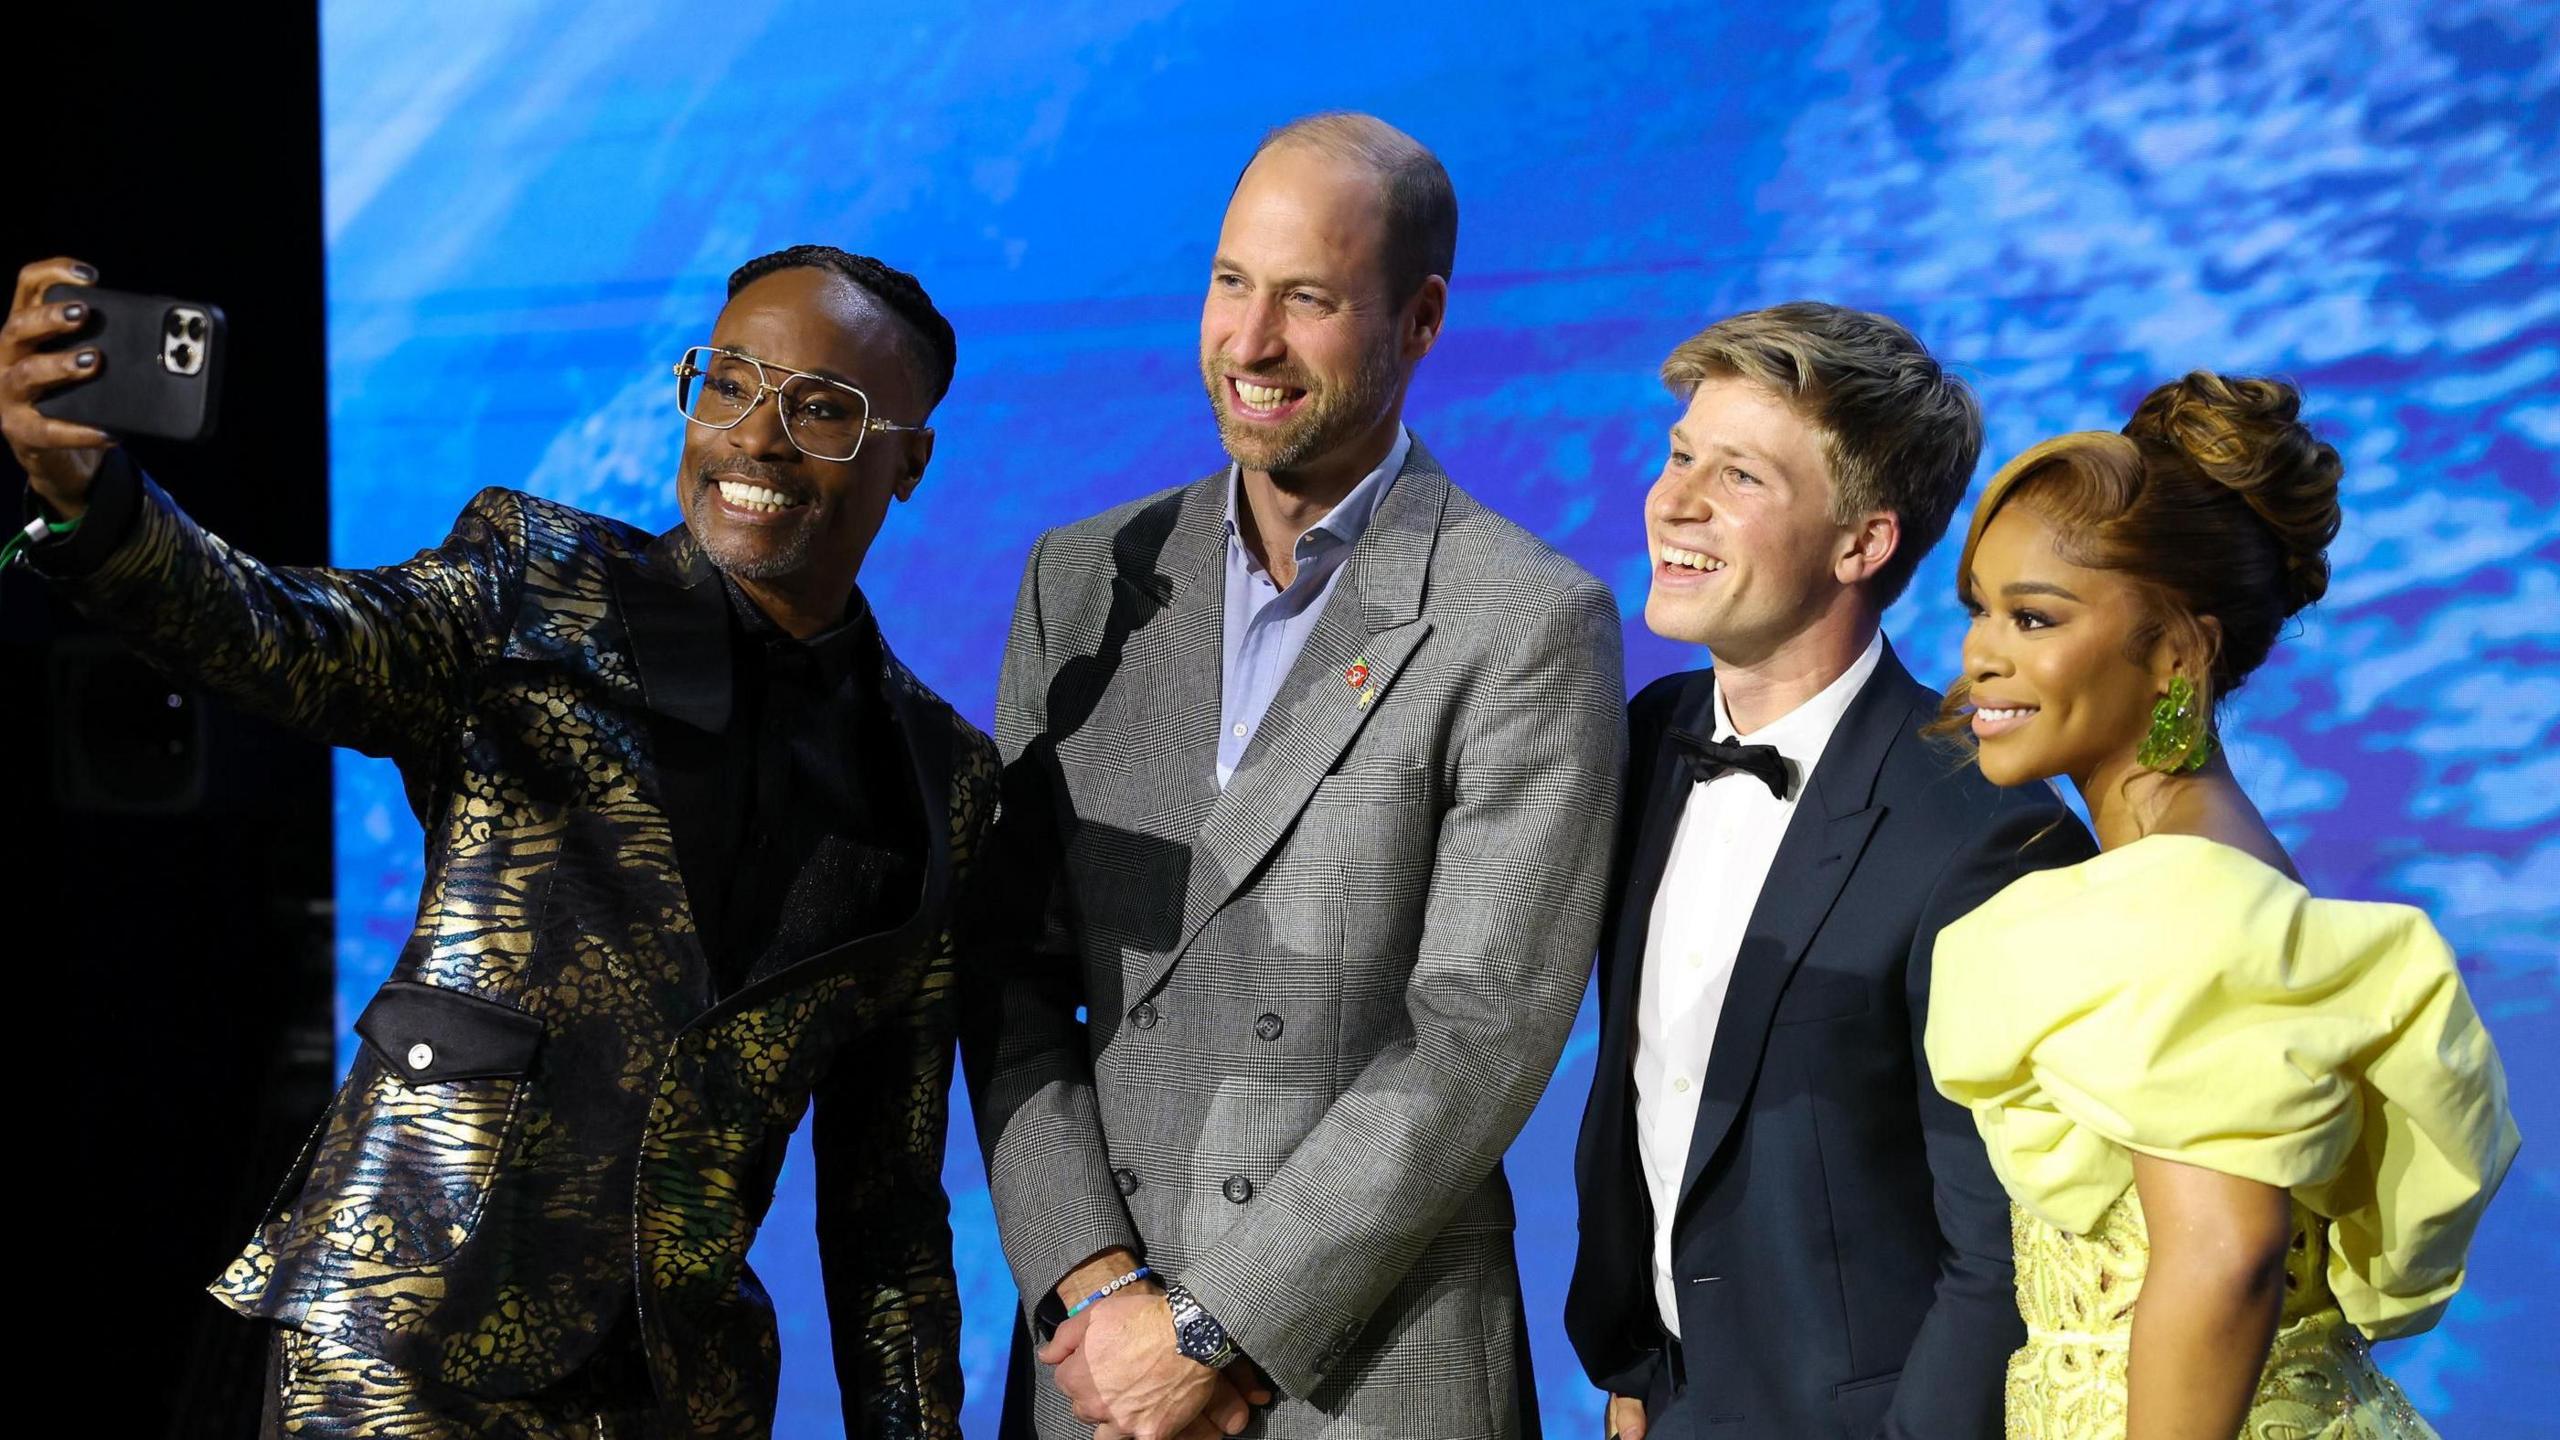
85	274
75	313
86	359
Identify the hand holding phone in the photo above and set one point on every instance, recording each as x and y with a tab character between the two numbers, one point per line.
59	456
159	366
95	365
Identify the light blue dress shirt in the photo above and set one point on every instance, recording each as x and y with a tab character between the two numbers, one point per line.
1266	625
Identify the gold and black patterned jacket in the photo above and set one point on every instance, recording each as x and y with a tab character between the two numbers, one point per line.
555	1132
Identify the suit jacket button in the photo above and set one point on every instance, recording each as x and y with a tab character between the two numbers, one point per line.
1238	1189
1268	1027
1143	1015
1126	1179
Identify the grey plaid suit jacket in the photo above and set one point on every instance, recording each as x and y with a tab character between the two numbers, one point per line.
1323	1001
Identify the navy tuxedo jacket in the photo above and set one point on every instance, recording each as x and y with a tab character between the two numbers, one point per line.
1841	1244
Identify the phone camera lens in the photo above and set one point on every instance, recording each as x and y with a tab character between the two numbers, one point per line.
195	327
177	325
185	355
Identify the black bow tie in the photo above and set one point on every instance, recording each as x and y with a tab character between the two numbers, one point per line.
1706	757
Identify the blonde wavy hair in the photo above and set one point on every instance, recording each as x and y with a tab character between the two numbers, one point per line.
1900	431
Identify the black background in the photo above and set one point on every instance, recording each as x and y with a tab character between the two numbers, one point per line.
173	962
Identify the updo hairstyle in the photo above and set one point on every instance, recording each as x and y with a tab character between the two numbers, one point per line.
2216	500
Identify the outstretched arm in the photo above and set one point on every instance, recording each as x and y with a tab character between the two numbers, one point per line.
374	659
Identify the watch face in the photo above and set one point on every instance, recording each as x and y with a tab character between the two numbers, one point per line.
1202	1339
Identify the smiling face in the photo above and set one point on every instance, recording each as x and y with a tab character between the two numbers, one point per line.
1304	352
1746	556
2057	684
779	522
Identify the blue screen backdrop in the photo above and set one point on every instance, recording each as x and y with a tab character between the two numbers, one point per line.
531	209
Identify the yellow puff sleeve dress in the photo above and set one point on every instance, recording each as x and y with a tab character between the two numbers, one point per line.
2178	997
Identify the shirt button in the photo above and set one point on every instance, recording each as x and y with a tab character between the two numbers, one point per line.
1238	1189
1268	1027
1143	1015
421	1055
469	739
1126	1179
1238	732
1680	1083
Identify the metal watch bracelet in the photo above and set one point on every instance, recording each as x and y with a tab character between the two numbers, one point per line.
1196	1333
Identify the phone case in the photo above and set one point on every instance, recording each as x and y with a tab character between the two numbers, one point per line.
163	364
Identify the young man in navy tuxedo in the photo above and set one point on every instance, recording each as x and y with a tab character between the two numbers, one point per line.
1786	1232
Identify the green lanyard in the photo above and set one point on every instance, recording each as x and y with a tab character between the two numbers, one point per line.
36	529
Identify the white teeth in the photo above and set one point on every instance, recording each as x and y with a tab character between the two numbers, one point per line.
2017	714
753	497
1690	559
1260	397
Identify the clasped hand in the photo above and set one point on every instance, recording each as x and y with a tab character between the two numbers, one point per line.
1117	1365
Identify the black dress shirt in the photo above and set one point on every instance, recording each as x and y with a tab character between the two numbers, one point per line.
798	830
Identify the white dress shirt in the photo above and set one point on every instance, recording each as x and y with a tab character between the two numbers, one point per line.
1729	833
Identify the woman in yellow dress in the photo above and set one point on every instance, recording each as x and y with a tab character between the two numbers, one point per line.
2246	1130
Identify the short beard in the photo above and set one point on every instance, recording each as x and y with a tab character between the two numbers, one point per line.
786	555
1332	415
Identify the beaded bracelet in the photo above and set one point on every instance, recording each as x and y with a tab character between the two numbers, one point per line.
1107	1291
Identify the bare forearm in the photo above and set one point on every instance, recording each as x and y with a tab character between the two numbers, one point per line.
2209	1300
2200	1341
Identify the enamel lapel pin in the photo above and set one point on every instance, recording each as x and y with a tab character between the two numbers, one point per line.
1357	677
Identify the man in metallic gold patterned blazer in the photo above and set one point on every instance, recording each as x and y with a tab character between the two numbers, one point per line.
693	842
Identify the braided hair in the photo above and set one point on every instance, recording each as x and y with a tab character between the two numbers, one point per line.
937	349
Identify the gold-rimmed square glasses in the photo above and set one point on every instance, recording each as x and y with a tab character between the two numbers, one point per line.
826	419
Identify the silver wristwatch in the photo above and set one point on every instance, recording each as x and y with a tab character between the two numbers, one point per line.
1196	1333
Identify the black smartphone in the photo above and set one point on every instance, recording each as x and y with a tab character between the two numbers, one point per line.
162	364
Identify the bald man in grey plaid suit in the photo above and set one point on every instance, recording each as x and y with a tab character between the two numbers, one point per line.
1315	761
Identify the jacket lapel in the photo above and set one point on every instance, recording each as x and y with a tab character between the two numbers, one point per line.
675	625
1658	791
1666	797
1373	616
1814	861
1169	606
677	618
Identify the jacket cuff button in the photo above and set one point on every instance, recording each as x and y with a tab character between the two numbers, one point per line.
421	1055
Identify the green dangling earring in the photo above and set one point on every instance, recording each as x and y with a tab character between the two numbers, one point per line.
2177	742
